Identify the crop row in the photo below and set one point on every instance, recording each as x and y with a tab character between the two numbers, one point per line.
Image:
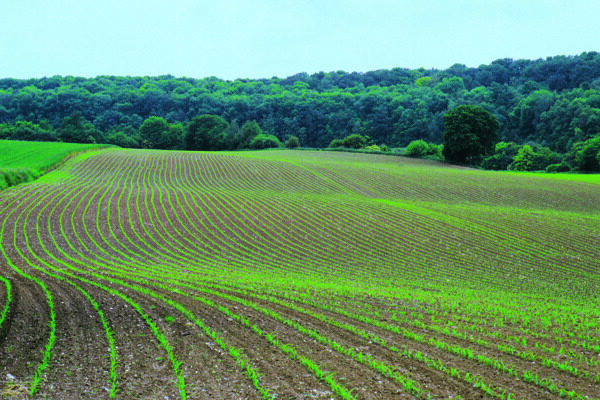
156	225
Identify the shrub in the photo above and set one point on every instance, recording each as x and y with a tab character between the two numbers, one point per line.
587	157
120	139
533	158
263	141
558	167
355	141
373	147
416	148
502	157
292	142
422	149
336	143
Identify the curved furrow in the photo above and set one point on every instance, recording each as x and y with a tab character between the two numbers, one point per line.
68	328
5	293
46	354
241	361
298	274
73	305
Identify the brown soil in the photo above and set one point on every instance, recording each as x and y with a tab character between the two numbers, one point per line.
117	247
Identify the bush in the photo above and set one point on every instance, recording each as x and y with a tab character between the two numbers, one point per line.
263	141
587	157
336	143
122	140
373	147
523	161
558	167
249	131
502	157
422	149
385	148
355	141
416	148
292	142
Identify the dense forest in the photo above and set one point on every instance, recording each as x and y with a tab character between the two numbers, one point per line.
551	105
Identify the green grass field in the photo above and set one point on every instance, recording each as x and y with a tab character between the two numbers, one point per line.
297	274
22	161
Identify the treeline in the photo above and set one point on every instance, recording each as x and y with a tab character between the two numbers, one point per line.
552	103
204	132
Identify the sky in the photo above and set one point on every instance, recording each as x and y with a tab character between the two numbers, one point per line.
233	39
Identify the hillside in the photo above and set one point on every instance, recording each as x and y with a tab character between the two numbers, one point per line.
554	102
22	161
297	274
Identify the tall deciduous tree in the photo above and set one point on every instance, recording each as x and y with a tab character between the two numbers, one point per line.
156	133
250	130
470	132
77	129
206	132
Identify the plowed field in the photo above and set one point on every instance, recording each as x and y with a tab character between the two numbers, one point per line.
297	275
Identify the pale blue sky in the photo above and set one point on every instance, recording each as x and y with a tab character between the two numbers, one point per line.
264	38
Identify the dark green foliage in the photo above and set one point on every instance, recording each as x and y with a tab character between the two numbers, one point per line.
470	132
511	156
292	142
122	139
32	132
233	136
263	141
206	132
250	130
554	102
558	167
502	157
355	141
5	131
336	143
587	157
542	157
76	129
156	133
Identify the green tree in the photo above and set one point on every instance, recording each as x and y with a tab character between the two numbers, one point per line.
206	132
355	141
292	142
250	130
156	133
263	141
502	157
25	130
6	131
416	148
523	161
587	157
77	129
233	136
470	132
120	139
336	143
